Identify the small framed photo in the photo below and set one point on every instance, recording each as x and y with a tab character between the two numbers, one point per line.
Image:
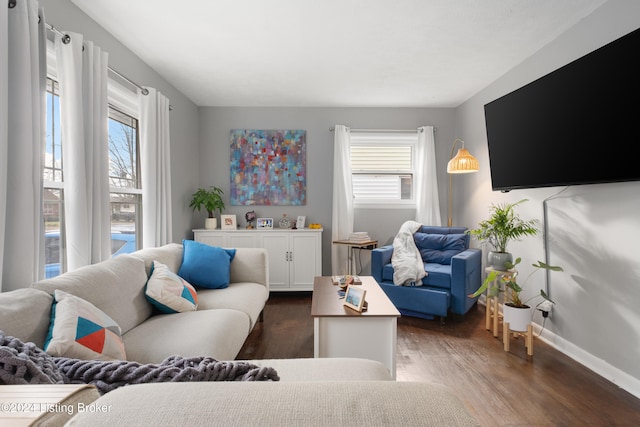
264	223
300	222
228	222
354	298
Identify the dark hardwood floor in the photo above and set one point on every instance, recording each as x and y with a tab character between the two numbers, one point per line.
499	388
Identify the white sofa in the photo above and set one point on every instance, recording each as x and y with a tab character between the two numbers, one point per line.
327	392
218	329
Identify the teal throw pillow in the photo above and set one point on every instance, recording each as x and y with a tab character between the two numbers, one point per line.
206	266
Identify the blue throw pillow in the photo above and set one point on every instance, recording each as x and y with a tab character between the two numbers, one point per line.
205	266
439	248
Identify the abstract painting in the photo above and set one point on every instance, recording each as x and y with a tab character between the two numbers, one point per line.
268	167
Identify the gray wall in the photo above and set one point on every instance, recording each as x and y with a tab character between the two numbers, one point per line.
593	229
65	16
382	224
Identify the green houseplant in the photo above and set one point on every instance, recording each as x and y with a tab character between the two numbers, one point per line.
503	226
516	312
211	200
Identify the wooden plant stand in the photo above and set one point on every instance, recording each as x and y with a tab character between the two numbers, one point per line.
528	342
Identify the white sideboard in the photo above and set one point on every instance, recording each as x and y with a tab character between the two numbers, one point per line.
295	256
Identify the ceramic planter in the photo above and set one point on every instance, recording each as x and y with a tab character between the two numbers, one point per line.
518	318
497	260
211	223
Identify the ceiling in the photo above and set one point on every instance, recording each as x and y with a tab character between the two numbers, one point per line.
334	53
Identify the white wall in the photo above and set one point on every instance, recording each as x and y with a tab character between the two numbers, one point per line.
382	224
65	16
593	229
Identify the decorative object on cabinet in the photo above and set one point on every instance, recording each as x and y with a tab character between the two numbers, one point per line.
268	167
463	162
284	222
300	221
228	222
250	217
503	225
265	223
210	200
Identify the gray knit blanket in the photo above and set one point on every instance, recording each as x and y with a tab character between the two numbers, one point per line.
25	363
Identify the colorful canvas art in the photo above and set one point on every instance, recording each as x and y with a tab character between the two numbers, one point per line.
268	167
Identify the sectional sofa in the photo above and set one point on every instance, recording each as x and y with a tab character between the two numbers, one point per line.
309	392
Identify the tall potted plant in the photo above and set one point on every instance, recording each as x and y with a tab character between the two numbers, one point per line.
515	311
210	200
503	225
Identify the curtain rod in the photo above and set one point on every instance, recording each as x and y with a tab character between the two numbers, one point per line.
66	38
331	129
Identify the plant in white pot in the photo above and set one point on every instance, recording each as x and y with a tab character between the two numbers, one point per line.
515	311
503	226
211	201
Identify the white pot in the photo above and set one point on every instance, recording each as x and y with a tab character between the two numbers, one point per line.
497	260
517	318
211	223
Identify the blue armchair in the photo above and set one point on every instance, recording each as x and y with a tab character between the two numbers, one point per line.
453	273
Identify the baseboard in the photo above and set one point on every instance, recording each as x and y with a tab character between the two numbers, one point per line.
599	366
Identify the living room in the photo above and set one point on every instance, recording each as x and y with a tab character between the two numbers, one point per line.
595	320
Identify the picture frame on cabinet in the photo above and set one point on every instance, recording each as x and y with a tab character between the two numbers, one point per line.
264	223
300	222
228	222
354	298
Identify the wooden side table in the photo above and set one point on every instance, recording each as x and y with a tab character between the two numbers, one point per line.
493	317
369	245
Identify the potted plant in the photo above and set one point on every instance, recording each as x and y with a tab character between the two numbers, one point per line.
503	226
515	311
210	200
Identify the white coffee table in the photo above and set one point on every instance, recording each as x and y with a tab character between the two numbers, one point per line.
342	332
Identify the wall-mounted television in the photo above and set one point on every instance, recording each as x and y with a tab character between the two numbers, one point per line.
579	124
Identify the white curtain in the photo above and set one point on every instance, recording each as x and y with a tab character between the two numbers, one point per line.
342	212
22	124
82	75
156	169
427	201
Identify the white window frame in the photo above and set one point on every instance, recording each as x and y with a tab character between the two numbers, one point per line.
403	139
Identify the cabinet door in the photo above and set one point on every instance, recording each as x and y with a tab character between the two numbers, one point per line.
213	238
277	246
306	259
242	240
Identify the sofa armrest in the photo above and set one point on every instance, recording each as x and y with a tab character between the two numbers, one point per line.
379	258
466	277
250	265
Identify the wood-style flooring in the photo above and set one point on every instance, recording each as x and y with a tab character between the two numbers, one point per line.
499	388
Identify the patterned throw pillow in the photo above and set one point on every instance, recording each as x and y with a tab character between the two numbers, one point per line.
80	330
169	292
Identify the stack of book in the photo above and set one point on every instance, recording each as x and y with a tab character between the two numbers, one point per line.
359	237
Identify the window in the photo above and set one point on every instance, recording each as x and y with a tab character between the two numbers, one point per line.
124	181
383	169
124	177
53	194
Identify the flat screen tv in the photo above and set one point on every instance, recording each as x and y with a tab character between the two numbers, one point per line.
577	125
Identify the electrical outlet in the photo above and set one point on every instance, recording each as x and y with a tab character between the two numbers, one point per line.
545	306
